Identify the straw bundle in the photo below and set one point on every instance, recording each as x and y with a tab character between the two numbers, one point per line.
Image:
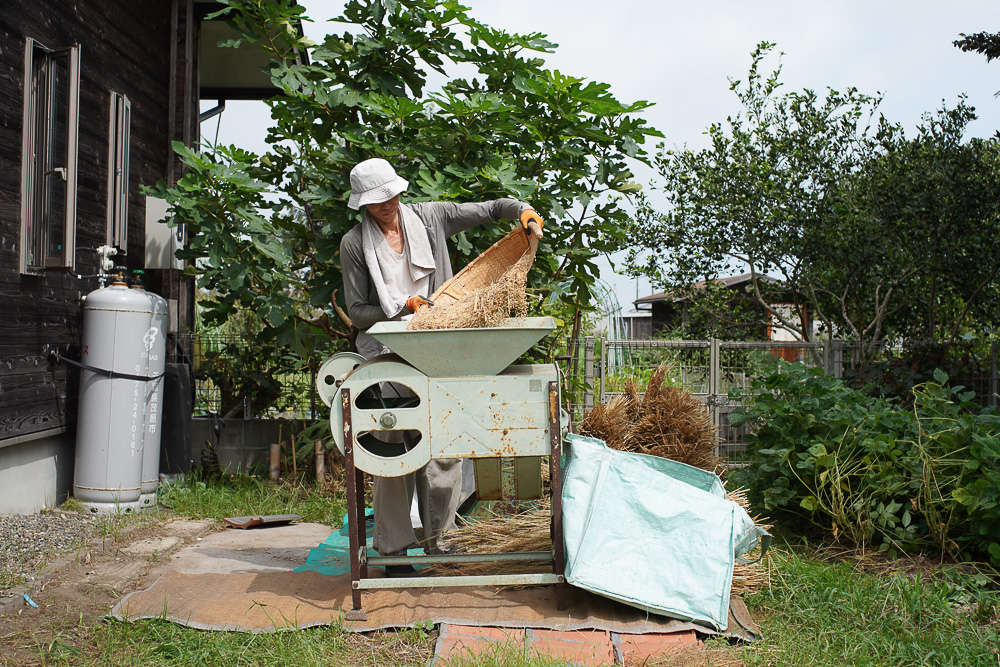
665	421
487	291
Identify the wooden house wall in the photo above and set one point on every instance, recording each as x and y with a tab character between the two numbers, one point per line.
668	315
125	47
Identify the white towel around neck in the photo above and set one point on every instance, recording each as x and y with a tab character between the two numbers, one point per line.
416	249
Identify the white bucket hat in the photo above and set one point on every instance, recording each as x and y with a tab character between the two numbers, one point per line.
373	182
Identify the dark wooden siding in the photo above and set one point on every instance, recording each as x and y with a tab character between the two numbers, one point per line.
125	47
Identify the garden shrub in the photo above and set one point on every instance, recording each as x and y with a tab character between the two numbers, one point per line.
874	471
896	377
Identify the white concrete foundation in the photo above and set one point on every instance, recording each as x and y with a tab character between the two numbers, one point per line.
36	472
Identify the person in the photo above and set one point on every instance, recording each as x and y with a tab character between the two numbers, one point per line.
392	261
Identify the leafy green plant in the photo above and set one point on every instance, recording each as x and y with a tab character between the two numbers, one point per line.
242	373
866	469
979	495
896	374
823	452
266	229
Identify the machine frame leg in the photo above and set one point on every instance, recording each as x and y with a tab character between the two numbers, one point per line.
361	519
556	479
357	539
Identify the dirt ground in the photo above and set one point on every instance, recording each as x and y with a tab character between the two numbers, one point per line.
77	589
75	592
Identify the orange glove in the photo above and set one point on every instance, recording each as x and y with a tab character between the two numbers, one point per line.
530	216
415	302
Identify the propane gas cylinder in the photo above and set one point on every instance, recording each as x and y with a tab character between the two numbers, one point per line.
111	423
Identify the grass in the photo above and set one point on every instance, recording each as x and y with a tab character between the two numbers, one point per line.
116	526
154	643
10	579
111	525
251	496
160	643
820	612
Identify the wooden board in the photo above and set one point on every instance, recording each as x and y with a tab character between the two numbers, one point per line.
266	521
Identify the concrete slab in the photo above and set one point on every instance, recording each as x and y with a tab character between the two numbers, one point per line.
13	599
113	574
264	549
187	528
150	547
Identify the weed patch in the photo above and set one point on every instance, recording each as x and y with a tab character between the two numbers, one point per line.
246	495
918	478
833	613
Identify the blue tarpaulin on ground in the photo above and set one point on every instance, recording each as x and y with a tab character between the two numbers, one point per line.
332	556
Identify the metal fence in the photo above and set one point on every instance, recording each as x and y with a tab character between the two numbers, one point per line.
708	369
712	369
971	364
244	378
239	376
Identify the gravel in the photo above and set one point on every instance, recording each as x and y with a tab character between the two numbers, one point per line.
29	541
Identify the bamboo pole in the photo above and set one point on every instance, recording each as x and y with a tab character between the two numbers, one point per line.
275	467
320	453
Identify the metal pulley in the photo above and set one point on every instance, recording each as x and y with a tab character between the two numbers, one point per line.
389	411
332	373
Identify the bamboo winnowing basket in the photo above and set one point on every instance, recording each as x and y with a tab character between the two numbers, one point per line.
489	266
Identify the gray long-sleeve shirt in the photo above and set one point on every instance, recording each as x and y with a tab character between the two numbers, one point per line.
442	220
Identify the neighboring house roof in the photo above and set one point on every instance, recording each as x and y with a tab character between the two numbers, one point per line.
728	281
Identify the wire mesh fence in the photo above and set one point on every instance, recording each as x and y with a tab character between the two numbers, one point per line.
243	377
969	364
709	369
715	370
239	376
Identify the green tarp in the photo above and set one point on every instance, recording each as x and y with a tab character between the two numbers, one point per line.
651	532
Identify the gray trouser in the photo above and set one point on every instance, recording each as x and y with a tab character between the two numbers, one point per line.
439	488
438	485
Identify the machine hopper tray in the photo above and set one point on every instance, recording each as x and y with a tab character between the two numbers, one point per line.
454	352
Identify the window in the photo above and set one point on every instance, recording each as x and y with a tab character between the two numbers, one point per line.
48	157
118	145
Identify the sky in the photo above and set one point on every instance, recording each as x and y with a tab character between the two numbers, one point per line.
679	54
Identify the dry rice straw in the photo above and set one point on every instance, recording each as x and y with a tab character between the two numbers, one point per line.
665	421
496	293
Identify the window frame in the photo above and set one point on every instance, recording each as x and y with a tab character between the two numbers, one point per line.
119	144
39	118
